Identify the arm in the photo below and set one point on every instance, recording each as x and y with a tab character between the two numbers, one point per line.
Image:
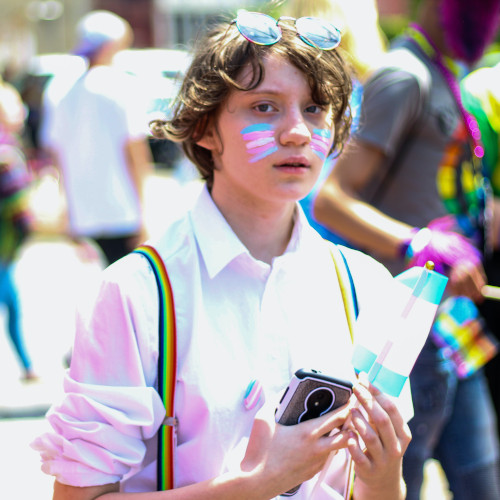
277	459
339	207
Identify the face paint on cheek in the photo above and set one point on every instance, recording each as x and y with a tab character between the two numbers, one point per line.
260	141
321	142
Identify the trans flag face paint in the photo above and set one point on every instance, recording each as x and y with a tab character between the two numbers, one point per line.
320	142
260	141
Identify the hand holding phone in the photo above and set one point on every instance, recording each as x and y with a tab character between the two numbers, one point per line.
311	394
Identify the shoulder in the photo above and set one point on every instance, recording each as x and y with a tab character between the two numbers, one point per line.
361	264
369	276
402	72
133	273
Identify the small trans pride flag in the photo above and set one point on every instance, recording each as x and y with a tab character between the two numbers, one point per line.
388	340
461	334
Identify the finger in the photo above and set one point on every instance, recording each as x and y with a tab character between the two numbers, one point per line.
379	418
358	454
336	441
332	420
386	419
374	447
389	406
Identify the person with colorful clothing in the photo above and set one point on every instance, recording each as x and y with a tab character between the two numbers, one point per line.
15	225
255	292
15	216
408	189
481	97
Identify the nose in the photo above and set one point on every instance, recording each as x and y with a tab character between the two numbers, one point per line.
294	130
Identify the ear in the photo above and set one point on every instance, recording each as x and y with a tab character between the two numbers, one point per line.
209	139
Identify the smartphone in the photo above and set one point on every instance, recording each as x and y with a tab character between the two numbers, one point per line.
311	394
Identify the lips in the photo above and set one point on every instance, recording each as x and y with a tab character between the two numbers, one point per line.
294	163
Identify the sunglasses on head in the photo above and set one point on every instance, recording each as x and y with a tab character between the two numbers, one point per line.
265	30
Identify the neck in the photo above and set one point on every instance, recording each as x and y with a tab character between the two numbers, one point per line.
264	230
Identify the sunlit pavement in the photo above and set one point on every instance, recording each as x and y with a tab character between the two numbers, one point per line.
53	277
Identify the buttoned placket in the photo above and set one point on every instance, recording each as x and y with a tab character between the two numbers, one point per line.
274	348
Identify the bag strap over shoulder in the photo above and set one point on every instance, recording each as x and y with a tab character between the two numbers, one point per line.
350	301
167	367
347	289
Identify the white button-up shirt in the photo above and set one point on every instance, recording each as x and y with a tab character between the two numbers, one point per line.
238	319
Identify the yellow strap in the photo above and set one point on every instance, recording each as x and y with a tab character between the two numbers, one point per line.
345	290
350	308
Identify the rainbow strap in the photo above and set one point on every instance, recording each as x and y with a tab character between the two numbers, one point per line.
167	368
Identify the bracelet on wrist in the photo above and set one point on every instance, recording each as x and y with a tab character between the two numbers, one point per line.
405	245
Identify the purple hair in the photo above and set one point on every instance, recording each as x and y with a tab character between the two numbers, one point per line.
469	26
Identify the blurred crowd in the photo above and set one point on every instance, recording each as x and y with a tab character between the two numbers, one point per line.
87	132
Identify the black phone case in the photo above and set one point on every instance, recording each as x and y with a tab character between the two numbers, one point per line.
311	394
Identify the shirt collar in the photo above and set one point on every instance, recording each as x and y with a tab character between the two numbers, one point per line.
218	243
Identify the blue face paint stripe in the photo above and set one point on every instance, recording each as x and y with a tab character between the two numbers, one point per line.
323	132
258	127
263	154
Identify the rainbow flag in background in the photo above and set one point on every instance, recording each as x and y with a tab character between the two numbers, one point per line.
386	349
462	335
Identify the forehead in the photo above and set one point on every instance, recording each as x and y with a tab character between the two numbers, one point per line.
278	70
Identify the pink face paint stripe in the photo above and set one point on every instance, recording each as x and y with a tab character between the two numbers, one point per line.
320	142
257	135
320	145
261	149
319	153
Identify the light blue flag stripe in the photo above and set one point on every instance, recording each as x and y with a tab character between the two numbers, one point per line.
363	359
384	379
388	381
434	286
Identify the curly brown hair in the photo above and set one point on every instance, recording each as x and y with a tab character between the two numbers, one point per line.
218	61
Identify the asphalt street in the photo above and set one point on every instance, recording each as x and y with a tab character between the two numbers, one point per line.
53	277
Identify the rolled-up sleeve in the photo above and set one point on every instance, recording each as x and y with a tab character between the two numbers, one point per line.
110	406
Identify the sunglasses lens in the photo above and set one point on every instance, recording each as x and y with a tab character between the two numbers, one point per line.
318	33
258	28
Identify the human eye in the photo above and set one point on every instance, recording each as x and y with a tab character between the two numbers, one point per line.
264	107
316	109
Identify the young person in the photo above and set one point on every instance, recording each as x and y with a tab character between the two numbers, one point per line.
408	188
256	297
